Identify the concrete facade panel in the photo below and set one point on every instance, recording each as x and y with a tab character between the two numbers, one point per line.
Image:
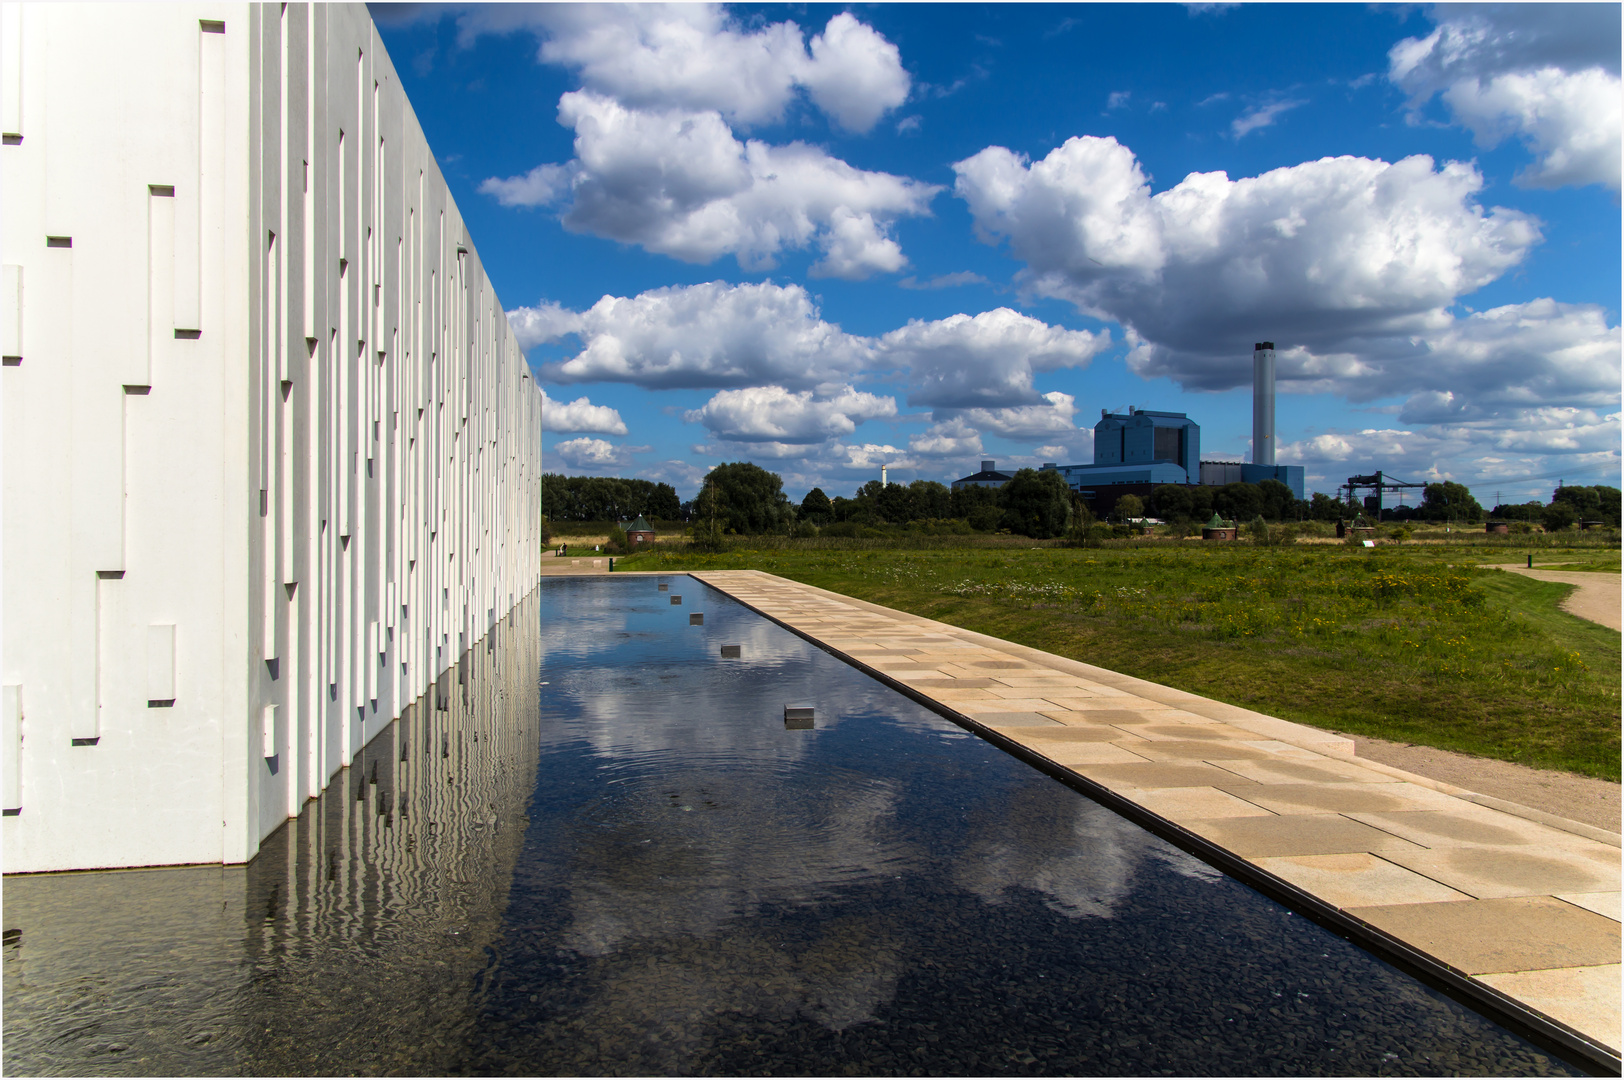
280	466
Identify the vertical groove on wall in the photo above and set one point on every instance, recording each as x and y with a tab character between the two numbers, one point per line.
11	318
11	746
160	275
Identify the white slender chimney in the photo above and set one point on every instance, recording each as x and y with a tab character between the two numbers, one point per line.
883	480
1263	403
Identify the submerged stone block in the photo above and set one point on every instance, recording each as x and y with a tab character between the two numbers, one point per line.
797	717
696	619
663	587
676	599
732	652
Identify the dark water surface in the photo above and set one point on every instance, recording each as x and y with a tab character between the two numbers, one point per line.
634	868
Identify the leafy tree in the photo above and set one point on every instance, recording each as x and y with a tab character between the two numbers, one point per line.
1037	504
930	499
1129	506
980	506
1201	501
605	498
1528	511
747	499
816	507
1597	503
894	504
1084	529
663	503
1450	501
1238	501
1278	501
1559	516
1172	502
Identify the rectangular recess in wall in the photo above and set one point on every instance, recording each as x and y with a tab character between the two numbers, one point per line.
59	241
211	26
267	731
11	741
160	271
11	297
160	665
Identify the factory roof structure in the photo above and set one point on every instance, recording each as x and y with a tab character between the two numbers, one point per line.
989	476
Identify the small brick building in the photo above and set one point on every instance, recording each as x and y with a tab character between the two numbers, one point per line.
640	532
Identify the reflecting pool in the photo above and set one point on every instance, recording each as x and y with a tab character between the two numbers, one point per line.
631	865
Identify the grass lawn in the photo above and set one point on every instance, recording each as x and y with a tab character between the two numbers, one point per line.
1410	643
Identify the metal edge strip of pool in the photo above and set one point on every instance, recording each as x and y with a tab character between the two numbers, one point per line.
1508	1012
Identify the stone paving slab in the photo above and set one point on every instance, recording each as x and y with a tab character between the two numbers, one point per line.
1518	900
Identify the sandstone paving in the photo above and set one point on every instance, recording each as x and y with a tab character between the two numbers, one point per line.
1603	903
1270	771
1525	900
1187	804
1340	797
1302	834
1586	998
1157	774
1520	933
1359	879
1466	823
1494	871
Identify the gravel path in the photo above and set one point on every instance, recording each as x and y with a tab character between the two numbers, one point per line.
1597	598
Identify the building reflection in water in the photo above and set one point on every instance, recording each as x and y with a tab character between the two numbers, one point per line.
349	944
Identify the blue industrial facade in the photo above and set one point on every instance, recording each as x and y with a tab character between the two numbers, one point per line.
1139	447
1145	446
1146	436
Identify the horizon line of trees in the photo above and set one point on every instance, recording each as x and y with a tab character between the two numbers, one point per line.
604	498
744	498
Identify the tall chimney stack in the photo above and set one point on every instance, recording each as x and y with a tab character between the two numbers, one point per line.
1263	403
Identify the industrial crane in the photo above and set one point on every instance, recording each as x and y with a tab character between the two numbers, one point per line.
1377	482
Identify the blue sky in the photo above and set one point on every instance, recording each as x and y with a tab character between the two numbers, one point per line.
827	238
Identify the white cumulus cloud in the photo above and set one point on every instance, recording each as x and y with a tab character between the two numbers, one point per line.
774	414
543	323
679	183
1328	254
709	335
951	438
1547	73
1054	417
697	57
593	454
985	360
1570	121
580	415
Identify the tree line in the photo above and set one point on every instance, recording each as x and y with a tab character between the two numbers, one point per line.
1569	505
602	498
744	498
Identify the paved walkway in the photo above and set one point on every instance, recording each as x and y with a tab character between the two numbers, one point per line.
1504	896
1598	597
553	566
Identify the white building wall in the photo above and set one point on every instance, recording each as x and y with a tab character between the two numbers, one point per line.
270	453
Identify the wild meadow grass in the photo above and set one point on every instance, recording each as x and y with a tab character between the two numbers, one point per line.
1414	643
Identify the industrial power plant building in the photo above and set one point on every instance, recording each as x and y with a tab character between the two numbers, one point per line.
1143	449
